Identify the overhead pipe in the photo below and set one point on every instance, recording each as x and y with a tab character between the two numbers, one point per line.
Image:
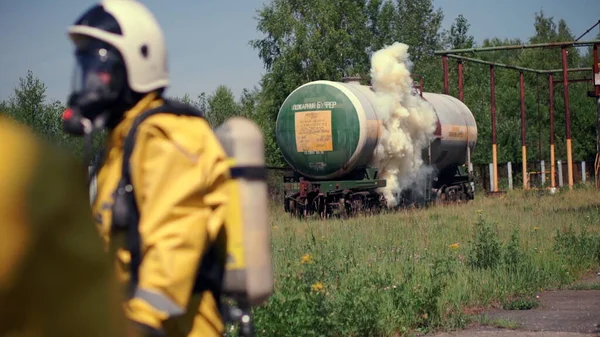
507	66
502	65
571	70
524	46
575	80
588	30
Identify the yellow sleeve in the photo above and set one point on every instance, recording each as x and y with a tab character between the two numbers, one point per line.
179	183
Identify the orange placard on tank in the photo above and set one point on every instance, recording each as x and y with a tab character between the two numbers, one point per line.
313	131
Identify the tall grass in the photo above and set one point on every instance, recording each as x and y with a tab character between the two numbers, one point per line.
423	270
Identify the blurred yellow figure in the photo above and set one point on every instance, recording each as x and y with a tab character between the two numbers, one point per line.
161	188
55	277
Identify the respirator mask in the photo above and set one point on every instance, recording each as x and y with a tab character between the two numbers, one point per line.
98	83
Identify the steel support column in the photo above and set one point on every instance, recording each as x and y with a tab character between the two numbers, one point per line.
567	117
596	82
493	111
523	131
461	94
552	158
445	69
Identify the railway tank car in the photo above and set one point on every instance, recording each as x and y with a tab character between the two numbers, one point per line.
327	133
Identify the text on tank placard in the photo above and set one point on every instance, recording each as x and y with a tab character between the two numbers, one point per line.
313	131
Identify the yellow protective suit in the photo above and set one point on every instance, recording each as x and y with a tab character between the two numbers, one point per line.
179	173
55	278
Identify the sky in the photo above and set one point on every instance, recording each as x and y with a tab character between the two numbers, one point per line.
208	40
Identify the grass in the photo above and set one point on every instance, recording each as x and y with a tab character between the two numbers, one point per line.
418	271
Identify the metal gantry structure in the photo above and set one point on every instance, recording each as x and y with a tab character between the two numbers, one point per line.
454	54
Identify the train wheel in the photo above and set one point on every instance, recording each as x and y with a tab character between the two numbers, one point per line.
291	206
464	197
359	204
454	196
301	207
342	208
440	195
320	206
443	198
450	195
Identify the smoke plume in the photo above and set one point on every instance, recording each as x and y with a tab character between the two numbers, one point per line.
408	121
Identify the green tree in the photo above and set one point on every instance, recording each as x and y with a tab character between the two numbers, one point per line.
458	35
186	99
420	28
4	108
508	109
249	102
384	23
26	105
314	40
200	104
221	106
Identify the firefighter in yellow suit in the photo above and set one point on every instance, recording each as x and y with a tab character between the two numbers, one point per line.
55	277
178	173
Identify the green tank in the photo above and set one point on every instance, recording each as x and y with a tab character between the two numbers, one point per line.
327	129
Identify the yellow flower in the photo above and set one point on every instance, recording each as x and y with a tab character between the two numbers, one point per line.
317	287
307	258
454	246
275	227
479	211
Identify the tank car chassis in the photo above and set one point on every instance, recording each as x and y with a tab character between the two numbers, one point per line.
304	197
358	195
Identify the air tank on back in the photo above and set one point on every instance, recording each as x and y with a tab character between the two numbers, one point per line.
327	130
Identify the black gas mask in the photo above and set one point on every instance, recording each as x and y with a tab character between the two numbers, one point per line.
98	86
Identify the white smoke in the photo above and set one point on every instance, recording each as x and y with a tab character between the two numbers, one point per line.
408	121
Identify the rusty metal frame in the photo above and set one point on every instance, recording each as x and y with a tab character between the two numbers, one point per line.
565	70
522	46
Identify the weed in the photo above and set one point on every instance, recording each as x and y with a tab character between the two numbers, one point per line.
580	251
513	256
520	303
485	248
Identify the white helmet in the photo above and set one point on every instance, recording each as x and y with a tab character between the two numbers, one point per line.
134	31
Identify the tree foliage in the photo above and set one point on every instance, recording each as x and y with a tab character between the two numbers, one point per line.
325	39
28	105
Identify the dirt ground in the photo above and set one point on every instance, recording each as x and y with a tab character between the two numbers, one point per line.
563	313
